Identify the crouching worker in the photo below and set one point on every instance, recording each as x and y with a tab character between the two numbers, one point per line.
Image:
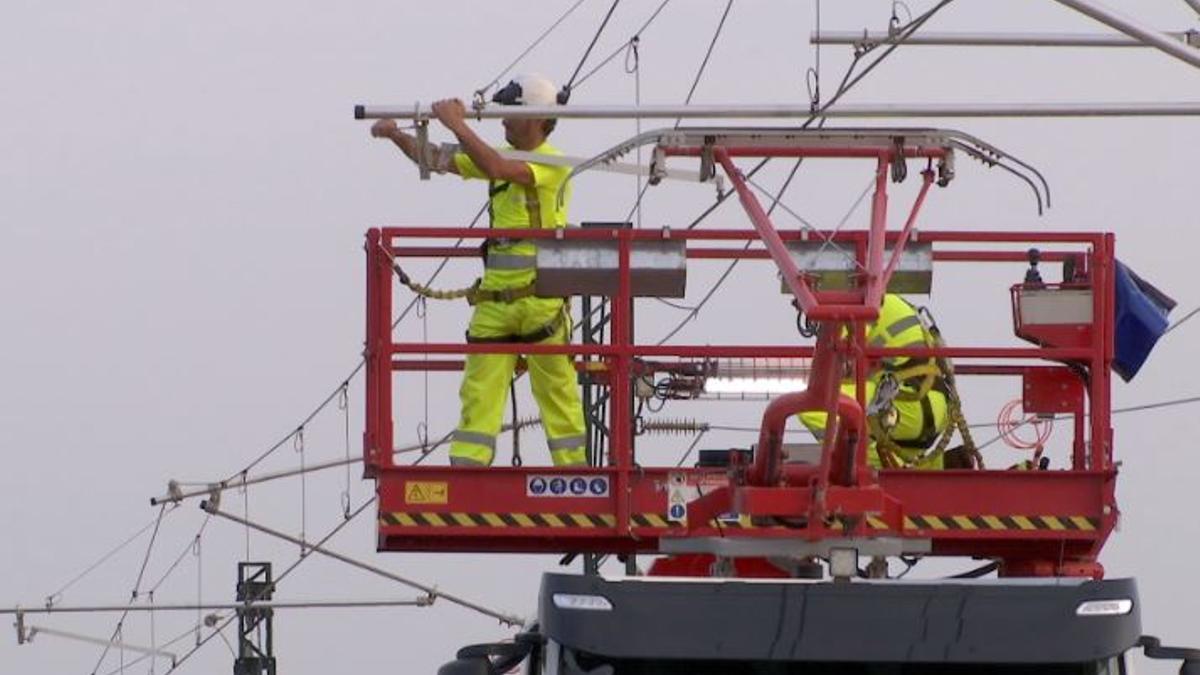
908	398
522	195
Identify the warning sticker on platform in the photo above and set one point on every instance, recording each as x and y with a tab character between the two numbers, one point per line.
426	492
683	489
566	486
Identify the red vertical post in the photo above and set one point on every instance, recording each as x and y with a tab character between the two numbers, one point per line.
1102	299
377	432
875	290
857	342
621	433
1108	347
371	407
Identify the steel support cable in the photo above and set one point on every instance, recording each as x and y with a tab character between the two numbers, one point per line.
182	555
162	648
707	55
588	52
162	511
313	547
687	99
1181	321
216	617
846	84
432	591
624	45
695	442
479	93
354	373
285	473
53	597
1115	411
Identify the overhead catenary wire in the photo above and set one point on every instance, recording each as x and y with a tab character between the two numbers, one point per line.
353	373
479	93
1116	411
619	50
52	598
848	81
687	99
1181	321
116	634
587	52
432	591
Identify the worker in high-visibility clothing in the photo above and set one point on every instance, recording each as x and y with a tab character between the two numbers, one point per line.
522	194
907	398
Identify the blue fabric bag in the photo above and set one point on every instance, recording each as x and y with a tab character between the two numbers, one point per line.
1141	319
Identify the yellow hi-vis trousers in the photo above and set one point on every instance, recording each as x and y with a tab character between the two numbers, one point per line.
486	378
910	423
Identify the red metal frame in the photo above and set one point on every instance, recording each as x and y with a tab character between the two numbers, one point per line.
1038	522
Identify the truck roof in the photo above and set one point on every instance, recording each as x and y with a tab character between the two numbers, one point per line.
981	621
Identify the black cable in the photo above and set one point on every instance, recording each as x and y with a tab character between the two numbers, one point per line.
362	362
516	428
587	52
623	46
707	55
570	10
846	84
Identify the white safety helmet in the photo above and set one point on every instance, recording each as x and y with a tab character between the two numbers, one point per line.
530	89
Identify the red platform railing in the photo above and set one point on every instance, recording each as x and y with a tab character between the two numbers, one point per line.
1037	522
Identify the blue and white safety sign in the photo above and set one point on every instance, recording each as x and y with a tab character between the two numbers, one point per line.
566	486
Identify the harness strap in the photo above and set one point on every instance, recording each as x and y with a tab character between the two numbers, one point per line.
545	332
505	295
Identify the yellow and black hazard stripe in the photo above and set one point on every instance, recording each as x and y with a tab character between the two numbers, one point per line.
438	519
992	523
533	520
497	520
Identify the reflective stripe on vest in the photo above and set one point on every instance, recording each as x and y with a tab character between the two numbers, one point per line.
510	261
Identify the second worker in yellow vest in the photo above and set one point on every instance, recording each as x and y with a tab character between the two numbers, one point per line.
522	194
918	414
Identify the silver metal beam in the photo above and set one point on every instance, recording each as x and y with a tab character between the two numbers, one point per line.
117	644
432	591
1194	4
423	601
421	113
1191	37
1135	29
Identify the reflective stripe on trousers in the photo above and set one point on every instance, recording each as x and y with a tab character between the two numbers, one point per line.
486	378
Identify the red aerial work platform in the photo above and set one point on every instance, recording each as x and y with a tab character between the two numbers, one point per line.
1036	522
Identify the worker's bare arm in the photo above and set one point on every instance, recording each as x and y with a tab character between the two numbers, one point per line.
386	128
452	114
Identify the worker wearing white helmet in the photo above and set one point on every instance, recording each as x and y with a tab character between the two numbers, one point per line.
522	195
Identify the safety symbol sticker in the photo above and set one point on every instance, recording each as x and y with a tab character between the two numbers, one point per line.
566	486
426	492
536	487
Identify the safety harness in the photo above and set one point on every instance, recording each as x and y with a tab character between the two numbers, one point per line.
496	260
913	382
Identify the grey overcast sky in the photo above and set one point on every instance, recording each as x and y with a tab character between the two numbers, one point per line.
183	194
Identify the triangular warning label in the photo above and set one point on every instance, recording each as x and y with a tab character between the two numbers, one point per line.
415	494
